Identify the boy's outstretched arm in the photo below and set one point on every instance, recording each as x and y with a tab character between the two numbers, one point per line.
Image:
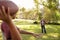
30	33
7	18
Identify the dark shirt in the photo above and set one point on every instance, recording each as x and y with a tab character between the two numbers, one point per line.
42	22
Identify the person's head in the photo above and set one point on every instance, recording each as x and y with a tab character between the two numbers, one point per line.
12	6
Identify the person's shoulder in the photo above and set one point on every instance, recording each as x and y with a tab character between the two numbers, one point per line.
3	23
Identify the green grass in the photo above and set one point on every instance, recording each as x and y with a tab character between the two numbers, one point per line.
53	31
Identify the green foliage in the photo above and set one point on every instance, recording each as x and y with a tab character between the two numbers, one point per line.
50	8
22	9
37	4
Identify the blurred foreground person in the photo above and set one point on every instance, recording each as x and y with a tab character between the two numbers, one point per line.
9	30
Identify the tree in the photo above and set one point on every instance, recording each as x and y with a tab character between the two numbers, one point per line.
52	5
37	4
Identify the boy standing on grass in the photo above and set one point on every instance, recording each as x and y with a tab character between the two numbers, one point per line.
43	26
9	30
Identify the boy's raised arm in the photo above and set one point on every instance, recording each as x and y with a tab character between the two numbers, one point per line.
7	18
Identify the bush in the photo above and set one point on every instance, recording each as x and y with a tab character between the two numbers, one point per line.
35	22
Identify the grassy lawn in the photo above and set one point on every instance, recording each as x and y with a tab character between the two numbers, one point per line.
53	31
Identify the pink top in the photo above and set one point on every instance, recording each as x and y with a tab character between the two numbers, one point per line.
6	31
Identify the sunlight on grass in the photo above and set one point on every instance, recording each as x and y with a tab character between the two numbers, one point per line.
53	34
45	37
52	27
31	38
28	26
53	31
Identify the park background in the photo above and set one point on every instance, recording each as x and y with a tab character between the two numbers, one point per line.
29	16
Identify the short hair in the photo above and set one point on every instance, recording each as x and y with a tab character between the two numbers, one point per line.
13	7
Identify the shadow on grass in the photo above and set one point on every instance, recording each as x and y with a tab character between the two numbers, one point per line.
27	37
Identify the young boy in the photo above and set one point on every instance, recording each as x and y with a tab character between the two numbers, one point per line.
43	25
9	30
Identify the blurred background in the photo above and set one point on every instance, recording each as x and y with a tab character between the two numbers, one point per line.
29	16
